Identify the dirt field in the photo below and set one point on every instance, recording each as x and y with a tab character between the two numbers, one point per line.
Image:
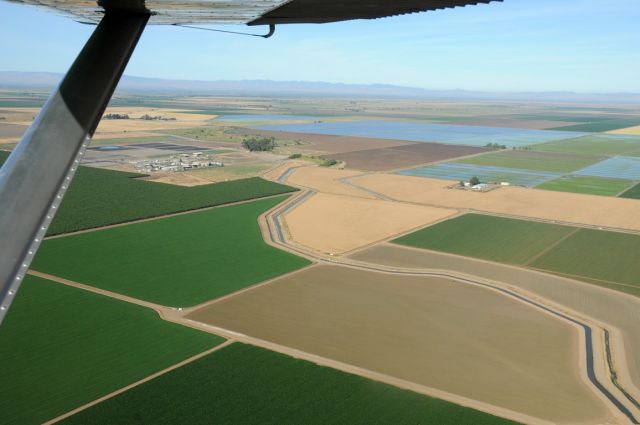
326	180
450	336
331	144
403	156
611	307
635	131
338	224
523	202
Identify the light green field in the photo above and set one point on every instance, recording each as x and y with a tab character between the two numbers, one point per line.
594	145
241	384
588	185
176	261
604	258
536	161
594	254
62	347
487	237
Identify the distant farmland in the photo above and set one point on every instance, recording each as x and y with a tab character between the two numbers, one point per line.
588	185
256	386
604	258
633	193
536	161
63	347
601	145
601	125
102	197
175	261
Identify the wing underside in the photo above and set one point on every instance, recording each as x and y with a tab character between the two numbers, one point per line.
252	12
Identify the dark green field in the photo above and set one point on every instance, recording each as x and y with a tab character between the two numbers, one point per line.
102	197
588	185
604	258
608	256
62	347
487	237
176	261
241	384
633	193
601	126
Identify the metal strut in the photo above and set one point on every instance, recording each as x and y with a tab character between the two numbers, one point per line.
38	172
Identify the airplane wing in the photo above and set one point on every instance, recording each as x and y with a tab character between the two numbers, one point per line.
38	172
251	12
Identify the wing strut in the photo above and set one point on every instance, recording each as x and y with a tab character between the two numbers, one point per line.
37	174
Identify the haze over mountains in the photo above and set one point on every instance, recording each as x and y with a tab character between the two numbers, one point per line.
34	80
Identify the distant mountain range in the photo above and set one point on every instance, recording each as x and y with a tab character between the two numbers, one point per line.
34	80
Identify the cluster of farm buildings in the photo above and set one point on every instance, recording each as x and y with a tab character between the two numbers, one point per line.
182	162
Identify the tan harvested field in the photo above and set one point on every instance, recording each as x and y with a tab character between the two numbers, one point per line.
326	180
179	179
516	123
11	131
404	156
337	224
523	202
607	306
436	332
330	144
635	131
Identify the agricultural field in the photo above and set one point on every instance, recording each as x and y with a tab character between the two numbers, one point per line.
601	125
63	347
427	132
623	167
337	224
635	131
103	197
456	172
535	161
589	185
598	145
595	256
244	376
175	261
633	193
233	172
488	237
404	156
519	353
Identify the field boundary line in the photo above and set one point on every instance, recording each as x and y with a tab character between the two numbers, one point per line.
140	382
550	247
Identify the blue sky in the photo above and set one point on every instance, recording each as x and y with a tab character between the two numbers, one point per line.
518	45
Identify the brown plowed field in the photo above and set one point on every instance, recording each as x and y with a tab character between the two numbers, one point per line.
404	156
611	307
436	332
330	144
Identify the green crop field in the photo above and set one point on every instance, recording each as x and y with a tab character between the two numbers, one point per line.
594	145
102	197
241	384
490	238
589	185
601	126
594	254
599	257
175	261
62	347
633	193
536	161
